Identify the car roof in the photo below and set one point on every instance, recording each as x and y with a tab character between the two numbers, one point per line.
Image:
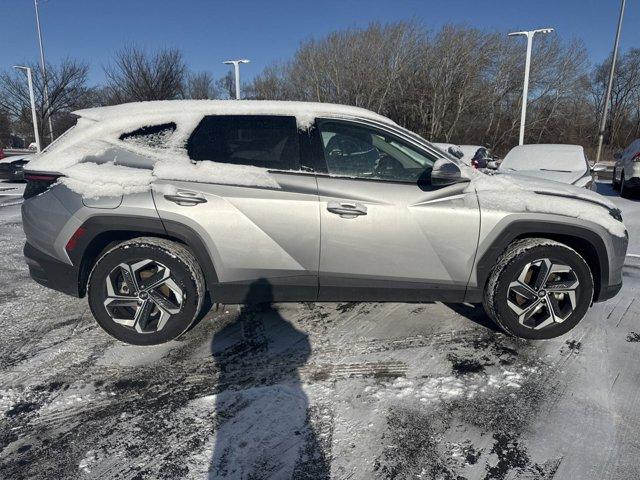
165	108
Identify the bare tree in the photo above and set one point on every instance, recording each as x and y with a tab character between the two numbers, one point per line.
459	84
225	86
200	86
136	75
67	92
5	129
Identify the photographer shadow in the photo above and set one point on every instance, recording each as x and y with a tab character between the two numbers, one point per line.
262	427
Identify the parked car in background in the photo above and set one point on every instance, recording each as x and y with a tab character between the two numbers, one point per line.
224	200
626	173
557	162
473	155
12	168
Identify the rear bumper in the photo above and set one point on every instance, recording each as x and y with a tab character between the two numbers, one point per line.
50	272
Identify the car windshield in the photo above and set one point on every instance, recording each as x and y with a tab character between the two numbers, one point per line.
558	158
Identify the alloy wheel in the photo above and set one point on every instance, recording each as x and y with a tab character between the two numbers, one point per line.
142	295
544	294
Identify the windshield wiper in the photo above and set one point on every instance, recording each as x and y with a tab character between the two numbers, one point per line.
554	170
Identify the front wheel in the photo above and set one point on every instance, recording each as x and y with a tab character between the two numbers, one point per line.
146	291
539	289
615	183
625	192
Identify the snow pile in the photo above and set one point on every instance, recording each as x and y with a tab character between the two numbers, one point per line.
224	173
449	387
92	180
518	195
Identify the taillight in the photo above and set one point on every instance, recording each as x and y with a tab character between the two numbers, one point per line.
636	157
73	241
38	183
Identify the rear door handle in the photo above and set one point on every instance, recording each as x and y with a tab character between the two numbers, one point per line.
186	198
345	209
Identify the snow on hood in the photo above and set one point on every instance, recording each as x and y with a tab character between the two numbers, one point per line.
514	193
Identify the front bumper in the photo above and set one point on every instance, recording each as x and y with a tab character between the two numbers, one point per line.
50	272
633	182
611	280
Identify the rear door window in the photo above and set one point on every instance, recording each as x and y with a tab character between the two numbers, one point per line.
270	142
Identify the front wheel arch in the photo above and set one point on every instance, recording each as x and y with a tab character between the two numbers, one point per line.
583	240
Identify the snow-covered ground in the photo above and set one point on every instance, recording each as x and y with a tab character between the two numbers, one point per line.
355	391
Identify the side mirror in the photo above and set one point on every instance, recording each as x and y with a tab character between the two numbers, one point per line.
617	155
599	167
445	172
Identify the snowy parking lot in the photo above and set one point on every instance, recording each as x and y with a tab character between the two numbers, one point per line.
344	391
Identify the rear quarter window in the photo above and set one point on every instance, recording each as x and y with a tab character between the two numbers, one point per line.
154	136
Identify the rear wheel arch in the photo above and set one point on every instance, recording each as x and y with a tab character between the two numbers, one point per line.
583	240
104	232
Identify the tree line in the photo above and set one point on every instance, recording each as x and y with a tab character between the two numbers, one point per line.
458	84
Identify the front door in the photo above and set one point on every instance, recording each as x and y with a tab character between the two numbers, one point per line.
386	233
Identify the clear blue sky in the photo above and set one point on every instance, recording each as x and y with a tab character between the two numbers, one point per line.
209	31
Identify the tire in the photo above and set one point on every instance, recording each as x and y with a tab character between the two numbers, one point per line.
146	291
625	192
616	184
502	297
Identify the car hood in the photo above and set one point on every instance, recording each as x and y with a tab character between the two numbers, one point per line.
501	182
562	177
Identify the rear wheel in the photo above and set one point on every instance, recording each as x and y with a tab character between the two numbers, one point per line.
538	289
146	291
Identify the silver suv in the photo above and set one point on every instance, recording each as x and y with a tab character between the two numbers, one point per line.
155	210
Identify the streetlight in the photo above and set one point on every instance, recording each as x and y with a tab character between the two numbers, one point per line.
527	68
607	98
33	104
43	69
236	65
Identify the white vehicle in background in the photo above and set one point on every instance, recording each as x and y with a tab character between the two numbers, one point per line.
626	173
560	163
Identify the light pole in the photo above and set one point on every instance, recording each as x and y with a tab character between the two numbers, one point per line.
607	98
43	69
236	65
527	67
33	104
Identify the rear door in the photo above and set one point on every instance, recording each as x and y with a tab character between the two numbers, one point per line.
251	206
386	232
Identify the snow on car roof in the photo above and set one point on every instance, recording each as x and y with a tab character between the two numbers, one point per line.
305	112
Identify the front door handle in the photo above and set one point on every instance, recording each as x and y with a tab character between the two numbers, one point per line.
186	198
345	209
